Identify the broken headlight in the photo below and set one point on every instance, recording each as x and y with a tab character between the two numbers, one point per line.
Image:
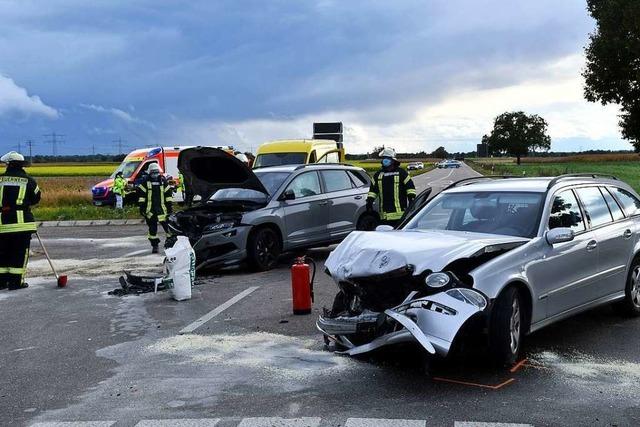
437	280
469	296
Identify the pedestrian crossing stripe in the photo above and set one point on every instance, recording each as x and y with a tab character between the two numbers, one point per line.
274	422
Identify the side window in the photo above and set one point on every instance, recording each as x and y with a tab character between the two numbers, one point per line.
146	166
565	212
629	202
358	179
613	205
336	180
305	185
332	157
312	157
594	205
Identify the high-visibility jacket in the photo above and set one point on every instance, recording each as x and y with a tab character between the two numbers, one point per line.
18	192
119	185
155	197
394	188
181	182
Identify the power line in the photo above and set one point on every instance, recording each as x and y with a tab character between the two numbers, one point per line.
119	141
54	141
30	145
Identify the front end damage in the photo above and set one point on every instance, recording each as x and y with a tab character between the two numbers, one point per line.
417	289
433	321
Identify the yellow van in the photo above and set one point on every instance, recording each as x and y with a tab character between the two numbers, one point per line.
299	152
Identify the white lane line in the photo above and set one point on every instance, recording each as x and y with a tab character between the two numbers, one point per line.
381	422
280	422
134	253
440	179
481	424
201	422
75	424
219	309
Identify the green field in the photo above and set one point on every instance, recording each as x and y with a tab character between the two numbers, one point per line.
627	171
70	169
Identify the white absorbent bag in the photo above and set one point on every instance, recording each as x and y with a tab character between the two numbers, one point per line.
180	266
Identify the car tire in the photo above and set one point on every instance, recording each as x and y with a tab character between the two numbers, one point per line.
367	222
506	327
263	249
630	305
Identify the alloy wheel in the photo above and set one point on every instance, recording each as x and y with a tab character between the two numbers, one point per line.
266	249
635	286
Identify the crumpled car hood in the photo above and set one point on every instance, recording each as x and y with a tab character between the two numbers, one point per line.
370	253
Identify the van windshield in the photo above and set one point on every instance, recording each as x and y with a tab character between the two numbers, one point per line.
127	169
279	159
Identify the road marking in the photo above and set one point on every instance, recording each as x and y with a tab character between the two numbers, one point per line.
472	384
381	422
75	424
440	179
134	253
219	309
201	422
481	424
280	422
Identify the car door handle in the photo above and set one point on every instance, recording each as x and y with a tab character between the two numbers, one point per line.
627	234
358	197
592	245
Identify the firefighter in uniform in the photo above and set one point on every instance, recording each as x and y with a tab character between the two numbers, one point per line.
393	187
18	192
155	200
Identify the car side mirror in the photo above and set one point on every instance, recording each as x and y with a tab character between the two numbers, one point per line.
559	235
288	195
384	227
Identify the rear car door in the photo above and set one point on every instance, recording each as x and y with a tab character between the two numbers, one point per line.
344	202
566	270
307	215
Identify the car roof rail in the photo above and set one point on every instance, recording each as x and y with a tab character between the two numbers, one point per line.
322	164
559	178
470	180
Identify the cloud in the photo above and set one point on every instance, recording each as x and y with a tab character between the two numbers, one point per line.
116	112
14	98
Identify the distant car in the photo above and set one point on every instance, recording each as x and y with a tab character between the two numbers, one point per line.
445	164
514	255
415	166
257	214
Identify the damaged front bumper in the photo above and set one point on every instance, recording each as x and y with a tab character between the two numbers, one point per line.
432	321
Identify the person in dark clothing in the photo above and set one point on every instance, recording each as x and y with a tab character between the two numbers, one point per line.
155	198
18	192
393	187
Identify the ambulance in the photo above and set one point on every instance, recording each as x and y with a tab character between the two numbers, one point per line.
136	163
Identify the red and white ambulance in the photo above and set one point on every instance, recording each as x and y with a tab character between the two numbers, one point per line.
136	163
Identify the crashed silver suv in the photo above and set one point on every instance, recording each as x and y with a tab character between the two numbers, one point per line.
258	214
497	257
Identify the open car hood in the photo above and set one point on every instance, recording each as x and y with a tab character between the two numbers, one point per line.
371	253
207	170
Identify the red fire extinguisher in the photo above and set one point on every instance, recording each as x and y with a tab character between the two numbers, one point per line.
301	286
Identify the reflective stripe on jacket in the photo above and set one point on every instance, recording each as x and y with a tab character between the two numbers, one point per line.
18	192
393	188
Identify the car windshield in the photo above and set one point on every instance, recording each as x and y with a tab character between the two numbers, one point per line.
279	159
504	213
239	194
272	180
127	169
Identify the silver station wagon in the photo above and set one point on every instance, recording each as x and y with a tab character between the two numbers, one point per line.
508	255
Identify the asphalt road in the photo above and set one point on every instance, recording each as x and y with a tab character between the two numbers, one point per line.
78	354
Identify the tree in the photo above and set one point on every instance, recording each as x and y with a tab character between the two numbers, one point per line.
612	74
440	153
517	134
373	154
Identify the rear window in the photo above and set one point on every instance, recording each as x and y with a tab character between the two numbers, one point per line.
279	159
629	202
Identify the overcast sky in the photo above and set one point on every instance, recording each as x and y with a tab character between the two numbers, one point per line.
409	74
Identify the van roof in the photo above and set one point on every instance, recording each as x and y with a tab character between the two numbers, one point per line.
293	145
